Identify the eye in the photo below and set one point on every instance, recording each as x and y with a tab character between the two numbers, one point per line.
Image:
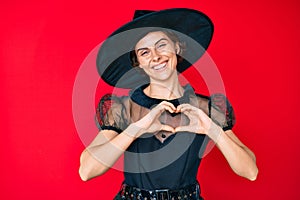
161	45
144	53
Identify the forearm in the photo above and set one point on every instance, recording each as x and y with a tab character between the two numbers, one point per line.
97	159
240	158
103	153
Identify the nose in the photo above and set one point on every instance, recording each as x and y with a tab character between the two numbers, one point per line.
155	55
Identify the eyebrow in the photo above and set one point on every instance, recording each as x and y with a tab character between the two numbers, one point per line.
143	48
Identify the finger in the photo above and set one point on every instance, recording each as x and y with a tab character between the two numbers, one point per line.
183	129
165	106
189	111
167	128
189	129
184	107
157	110
170	105
160	109
168	109
197	115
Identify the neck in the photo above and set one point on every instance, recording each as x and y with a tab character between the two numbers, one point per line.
167	90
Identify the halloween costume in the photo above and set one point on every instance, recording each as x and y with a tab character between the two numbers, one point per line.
156	169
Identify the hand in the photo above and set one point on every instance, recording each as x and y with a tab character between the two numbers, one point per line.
150	123
200	123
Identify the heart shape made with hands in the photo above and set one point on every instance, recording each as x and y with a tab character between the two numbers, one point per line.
174	119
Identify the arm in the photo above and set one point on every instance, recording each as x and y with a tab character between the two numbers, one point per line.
103	152
240	158
108	146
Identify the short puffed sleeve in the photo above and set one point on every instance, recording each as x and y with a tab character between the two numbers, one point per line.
221	111
110	114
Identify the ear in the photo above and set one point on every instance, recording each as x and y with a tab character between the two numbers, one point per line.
177	48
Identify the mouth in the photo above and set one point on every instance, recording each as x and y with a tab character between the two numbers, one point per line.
160	67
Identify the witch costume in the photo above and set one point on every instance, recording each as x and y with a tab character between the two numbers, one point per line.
158	169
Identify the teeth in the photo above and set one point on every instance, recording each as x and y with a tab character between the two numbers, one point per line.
160	66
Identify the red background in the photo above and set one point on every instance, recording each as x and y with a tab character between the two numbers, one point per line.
43	44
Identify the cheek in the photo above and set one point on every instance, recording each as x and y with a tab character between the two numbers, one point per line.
143	62
174	58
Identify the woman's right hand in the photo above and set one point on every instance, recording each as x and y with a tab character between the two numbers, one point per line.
150	123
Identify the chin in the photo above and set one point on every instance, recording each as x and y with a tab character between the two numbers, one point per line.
164	77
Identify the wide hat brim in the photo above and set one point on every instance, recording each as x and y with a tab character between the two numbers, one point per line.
113	59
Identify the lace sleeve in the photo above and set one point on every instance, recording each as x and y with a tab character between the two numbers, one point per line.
109	114
221	111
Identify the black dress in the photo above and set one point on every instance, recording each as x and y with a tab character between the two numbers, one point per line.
149	163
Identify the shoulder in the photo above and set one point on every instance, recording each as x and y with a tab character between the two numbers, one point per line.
111	111
220	102
221	110
111	101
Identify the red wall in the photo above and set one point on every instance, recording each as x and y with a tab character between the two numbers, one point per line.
44	43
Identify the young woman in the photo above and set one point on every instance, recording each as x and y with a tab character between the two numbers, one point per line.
161	127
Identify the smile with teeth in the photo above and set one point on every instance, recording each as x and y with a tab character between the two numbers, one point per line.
160	66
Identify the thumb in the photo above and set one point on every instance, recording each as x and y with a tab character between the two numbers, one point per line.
167	128
182	128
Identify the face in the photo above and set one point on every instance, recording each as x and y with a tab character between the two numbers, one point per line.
156	54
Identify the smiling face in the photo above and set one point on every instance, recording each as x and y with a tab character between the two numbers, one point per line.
156	54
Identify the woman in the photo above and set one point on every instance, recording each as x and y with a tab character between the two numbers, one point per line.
161	127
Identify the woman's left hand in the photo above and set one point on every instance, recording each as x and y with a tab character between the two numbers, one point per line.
200	123
240	158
